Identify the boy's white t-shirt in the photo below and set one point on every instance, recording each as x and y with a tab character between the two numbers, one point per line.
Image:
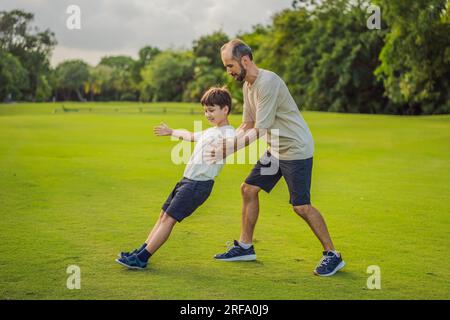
197	168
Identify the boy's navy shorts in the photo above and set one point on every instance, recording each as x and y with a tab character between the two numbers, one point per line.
296	173
187	196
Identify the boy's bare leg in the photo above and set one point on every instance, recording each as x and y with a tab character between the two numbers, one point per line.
155	227
161	234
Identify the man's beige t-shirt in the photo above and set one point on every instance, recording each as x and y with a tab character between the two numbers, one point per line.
269	104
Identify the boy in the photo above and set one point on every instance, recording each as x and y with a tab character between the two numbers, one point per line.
198	178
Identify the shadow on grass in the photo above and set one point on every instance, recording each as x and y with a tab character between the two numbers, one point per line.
343	274
227	266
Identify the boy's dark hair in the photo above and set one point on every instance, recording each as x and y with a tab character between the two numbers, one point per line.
217	96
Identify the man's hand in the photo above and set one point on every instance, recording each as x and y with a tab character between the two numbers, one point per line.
162	130
223	148
215	152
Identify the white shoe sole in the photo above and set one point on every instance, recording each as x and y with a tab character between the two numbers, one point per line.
249	257
129	267
339	267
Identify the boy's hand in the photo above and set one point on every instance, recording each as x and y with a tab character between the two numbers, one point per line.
162	130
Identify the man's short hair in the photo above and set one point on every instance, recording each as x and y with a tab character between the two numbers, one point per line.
217	96
239	49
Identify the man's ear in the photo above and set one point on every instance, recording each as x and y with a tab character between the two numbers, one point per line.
245	60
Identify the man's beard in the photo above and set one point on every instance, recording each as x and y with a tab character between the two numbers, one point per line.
242	74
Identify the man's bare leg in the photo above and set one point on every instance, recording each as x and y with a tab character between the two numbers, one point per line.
250	211
316	222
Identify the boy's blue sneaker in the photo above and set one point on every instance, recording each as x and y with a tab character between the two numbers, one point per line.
329	265
127	254
237	253
132	262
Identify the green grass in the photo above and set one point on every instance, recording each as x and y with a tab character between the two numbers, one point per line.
77	188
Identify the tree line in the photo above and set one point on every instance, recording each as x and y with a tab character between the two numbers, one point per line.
328	57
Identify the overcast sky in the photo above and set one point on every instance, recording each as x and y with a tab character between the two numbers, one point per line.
111	27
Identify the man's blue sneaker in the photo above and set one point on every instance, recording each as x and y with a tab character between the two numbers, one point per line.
132	262
329	265
237	253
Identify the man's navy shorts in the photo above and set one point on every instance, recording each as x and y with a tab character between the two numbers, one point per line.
186	197
296	173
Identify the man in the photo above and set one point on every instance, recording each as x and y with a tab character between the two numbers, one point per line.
270	110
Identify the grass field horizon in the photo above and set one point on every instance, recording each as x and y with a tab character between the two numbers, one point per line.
76	188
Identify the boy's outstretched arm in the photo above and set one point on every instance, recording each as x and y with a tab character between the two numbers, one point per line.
164	130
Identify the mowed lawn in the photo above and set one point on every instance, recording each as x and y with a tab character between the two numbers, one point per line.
77	188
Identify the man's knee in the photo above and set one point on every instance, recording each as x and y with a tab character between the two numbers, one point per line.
304	210
248	191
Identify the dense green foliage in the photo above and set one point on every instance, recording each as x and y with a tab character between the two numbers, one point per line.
31	50
415	60
70	77
324	50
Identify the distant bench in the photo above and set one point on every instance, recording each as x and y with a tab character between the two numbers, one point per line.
130	110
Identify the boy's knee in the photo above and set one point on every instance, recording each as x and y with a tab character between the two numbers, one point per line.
303	210
165	218
249	191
